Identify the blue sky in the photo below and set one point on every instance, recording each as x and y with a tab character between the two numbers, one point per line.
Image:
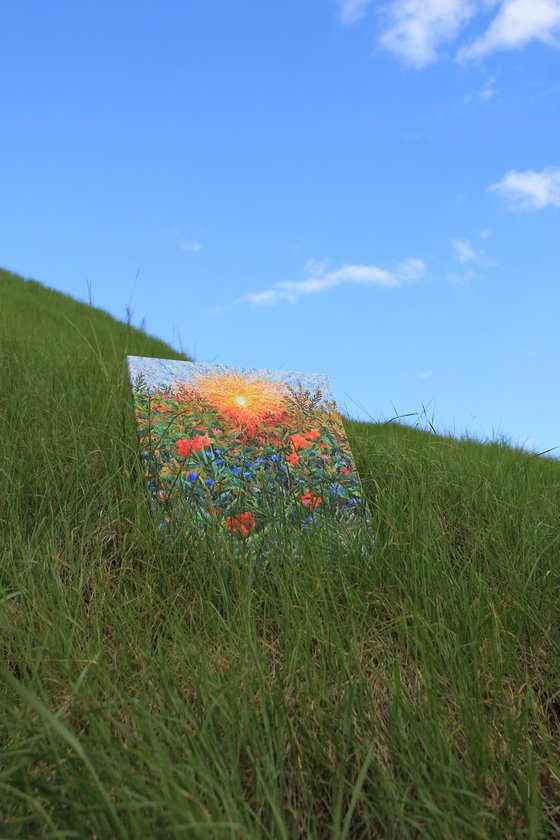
369	190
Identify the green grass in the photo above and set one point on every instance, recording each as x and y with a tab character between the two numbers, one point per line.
151	690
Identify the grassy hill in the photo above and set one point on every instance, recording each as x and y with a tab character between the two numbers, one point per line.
167	691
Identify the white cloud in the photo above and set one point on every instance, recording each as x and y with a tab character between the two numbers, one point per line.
516	23
423	375
320	279
489	90
418	27
464	251
467	254
352	11
193	247
186	245
415	30
410	270
485	94
529	190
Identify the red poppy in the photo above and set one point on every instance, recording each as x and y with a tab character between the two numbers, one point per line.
312	434
187	445
165	396
311	501
159	408
344	471
292	458
243	522
298	441
201	427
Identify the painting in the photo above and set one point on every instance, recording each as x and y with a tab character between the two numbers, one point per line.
245	451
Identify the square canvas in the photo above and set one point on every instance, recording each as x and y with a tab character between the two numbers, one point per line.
246	451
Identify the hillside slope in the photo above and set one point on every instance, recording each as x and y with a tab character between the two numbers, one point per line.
166	690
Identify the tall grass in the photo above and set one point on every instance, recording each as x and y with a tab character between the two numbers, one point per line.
168	690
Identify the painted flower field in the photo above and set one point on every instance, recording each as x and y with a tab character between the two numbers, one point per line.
247	453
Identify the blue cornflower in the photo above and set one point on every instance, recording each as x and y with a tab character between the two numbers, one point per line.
218	461
209	482
192	476
258	460
337	489
274	458
218	451
283	467
234	470
246	473
313	452
248	465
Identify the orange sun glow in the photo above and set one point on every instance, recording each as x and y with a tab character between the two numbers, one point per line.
244	400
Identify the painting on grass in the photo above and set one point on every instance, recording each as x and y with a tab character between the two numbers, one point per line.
242	450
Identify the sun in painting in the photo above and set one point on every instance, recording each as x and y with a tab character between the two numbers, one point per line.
244	400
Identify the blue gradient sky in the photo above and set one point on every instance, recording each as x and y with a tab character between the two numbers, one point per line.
365	189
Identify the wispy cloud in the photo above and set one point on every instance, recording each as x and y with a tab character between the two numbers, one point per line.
516	23
489	90
486	94
320	279
471	259
352	11
418	27
465	253
529	190
424	375
185	244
